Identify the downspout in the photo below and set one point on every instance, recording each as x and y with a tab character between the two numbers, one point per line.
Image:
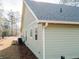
46	24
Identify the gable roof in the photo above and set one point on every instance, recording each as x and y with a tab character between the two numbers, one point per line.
54	12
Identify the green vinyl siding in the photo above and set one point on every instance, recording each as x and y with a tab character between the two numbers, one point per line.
62	41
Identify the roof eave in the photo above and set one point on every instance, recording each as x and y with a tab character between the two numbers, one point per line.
58	22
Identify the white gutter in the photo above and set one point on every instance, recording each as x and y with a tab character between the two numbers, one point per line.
58	22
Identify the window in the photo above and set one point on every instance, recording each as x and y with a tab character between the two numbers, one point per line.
60	10
62	57
31	33
26	36
36	36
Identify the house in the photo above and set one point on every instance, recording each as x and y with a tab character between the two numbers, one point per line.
51	31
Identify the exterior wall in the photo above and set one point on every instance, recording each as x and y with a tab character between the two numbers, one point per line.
23	18
27	19
36	46
62	40
30	23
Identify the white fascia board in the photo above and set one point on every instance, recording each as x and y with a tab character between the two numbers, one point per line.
31	10
57	22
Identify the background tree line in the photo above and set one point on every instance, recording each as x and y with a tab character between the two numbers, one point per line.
9	22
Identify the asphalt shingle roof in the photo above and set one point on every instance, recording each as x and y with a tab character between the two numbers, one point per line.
55	12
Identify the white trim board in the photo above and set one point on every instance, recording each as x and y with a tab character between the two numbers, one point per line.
58	22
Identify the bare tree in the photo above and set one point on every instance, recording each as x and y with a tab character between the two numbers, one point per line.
66	1
13	18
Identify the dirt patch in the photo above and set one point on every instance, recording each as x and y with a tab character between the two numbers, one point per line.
26	52
7	50
10	49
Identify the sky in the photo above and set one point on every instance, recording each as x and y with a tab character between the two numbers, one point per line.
15	5
49	1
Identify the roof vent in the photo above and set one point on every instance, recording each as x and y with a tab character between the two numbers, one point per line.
60	10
